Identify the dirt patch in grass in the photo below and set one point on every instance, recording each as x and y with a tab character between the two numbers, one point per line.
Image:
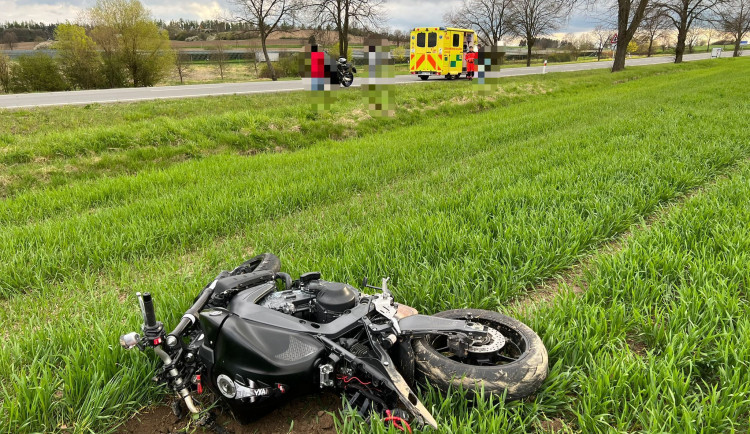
311	414
553	426
636	346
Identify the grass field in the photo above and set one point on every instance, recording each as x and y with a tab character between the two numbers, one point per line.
160	196
56	146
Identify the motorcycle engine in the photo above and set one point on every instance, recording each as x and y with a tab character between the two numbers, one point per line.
314	299
332	299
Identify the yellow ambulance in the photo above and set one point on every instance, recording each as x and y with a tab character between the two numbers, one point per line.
440	51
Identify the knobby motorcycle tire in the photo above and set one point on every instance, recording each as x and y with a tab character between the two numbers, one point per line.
519	378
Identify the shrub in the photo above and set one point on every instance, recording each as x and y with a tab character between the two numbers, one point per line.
286	67
5	73
45	45
561	57
632	47
79	60
399	54
37	73
127	35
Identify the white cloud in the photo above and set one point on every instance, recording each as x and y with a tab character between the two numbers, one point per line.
192	10
49	11
36	11
403	15
419	13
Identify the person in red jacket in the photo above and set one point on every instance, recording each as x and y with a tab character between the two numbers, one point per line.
317	68
471	64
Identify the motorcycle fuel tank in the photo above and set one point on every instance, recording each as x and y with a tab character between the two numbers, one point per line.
245	350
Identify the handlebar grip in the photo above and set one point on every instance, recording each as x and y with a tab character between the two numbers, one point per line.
149	317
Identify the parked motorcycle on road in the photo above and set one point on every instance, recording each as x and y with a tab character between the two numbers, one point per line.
345	72
254	336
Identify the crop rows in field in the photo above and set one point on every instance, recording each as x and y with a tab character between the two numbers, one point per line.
657	343
472	218
112	140
58	146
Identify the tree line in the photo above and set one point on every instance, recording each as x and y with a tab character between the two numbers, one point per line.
118	43
531	20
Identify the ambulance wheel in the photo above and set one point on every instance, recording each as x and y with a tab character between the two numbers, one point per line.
458	76
448	77
424	77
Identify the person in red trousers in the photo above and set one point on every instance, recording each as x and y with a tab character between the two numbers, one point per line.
471	64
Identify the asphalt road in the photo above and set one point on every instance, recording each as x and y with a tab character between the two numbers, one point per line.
102	96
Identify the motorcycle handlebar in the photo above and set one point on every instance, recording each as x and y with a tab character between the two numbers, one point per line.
149	317
191	314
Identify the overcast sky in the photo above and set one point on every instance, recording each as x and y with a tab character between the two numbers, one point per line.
401	14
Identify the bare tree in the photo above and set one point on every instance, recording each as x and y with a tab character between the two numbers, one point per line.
10	39
345	14
691	40
667	39
265	16
710	32
531	19
654	24
630	13
734	18
584	42
182	65
600	35
399	37
489	16
683	14
254	59
220	57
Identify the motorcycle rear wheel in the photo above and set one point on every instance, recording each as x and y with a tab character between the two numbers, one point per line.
519	367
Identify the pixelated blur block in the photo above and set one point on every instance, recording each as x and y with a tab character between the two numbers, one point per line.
321	101
316	74
488	60
378	92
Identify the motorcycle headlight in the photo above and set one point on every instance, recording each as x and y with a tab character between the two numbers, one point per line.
226	386
129	340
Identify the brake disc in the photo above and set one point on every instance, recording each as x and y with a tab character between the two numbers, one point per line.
496	343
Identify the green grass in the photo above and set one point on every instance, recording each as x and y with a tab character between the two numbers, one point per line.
679	290
656	344
57	146
470	216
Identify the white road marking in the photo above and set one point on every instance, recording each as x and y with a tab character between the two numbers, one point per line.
152	98
19	101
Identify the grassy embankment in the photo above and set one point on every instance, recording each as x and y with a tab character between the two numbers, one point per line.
473	216
56	146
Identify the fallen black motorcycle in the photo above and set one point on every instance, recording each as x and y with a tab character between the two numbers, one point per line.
254	336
